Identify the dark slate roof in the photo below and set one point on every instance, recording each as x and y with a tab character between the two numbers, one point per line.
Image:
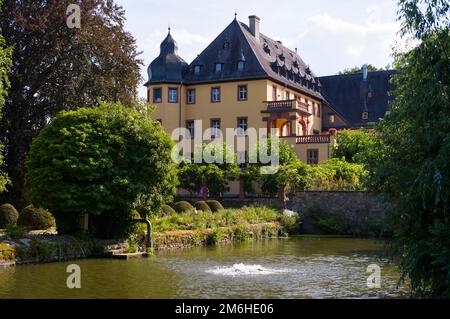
350	95
168	66
264	58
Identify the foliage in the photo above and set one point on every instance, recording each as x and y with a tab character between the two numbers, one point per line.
214	205
35	218
103	162
215	173
282	177
8	215
57	68
15	232
355	146
202	205
224	218
413	169
167	210
290	224
359	69
6	252
183	207
5	65
335	174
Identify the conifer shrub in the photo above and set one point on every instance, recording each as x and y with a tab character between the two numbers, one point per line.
8	215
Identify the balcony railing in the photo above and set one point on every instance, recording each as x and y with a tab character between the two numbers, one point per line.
286	105
314	139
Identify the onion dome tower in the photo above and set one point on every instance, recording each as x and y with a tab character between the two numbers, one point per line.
168	67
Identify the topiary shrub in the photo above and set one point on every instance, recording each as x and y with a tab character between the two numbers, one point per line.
214	205
183	207
36	218
8	216
167	210
101	161
201	205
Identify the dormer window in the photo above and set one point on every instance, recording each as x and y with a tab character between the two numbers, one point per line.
218	68
365	116
197	69
241	65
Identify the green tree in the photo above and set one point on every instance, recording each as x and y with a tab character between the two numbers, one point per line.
215	173
358	69
5	65
103	162
354	146
414	168
57	68
284	176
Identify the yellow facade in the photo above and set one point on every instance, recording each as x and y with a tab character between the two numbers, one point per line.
229	109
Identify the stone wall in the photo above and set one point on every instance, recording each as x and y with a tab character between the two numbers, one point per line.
361	212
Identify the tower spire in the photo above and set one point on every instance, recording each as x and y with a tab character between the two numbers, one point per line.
169	28
235	14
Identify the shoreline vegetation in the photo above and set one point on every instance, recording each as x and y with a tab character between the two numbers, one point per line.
172	231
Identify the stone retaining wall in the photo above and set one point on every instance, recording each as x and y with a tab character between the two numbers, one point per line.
362	212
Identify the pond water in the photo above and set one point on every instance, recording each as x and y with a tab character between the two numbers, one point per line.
298	267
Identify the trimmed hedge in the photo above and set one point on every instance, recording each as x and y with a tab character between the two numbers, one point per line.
167	210
202	205
183	207
214	205
8	215
36	218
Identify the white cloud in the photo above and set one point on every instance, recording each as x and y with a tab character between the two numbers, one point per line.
336	25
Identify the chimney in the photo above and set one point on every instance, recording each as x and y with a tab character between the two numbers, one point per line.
364	71
254	25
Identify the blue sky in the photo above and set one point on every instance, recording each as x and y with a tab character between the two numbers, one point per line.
330	35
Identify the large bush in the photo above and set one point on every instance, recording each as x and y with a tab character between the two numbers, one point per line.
183	207
35	218
167	210
202	205
214	205
8	215
103	162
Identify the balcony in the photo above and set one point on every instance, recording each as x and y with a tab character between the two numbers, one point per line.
314	139
286	105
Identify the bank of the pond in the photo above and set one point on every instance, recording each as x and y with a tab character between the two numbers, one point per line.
34	249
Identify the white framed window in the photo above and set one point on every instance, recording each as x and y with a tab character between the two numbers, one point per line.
215	94
331	118
157	95
215	128
190	96
313	156
242	126
241	65
173	95
197	69
218	67
242	93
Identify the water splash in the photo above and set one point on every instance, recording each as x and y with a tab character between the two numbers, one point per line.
243	270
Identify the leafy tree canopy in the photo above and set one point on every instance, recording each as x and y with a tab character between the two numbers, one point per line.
413	168
58	68
359	69
5	65
103	162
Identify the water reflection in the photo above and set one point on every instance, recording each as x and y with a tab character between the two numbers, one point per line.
287	268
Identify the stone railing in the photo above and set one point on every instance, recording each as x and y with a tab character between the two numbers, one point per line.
314	139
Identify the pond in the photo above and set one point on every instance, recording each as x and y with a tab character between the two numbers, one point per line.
298	267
